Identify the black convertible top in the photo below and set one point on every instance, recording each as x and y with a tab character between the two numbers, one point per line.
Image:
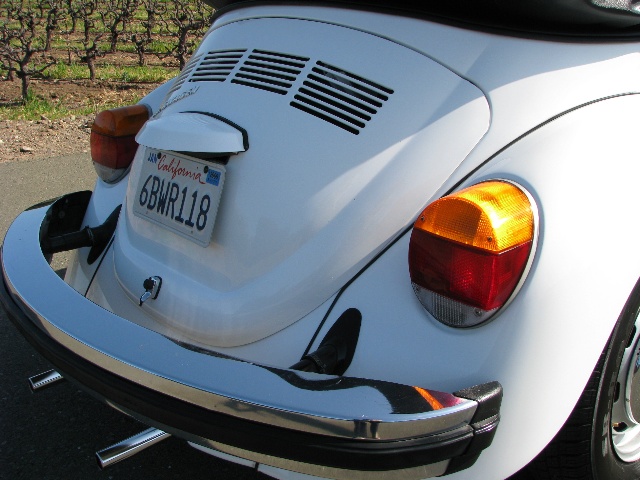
584	18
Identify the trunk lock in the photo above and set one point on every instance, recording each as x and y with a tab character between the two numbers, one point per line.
151	289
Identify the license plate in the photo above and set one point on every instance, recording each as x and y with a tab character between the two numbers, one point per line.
179	193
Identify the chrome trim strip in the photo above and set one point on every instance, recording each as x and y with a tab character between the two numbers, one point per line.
44	380
261	460
350	408
129	447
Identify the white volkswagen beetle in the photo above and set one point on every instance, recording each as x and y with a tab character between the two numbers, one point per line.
364	240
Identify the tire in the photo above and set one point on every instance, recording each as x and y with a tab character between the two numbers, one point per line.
601	438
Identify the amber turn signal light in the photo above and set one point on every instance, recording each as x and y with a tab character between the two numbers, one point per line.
469	250
113	144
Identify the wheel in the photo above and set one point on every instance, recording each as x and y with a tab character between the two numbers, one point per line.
601	438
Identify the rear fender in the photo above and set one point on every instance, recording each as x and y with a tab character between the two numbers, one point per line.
105	199
582	170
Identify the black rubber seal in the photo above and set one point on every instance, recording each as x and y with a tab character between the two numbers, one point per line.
484	422
566	20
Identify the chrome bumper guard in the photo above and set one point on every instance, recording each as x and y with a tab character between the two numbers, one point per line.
331	426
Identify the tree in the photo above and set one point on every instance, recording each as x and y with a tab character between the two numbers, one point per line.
22	38
116	15
89	13
53	11
154	10
74	8
189	20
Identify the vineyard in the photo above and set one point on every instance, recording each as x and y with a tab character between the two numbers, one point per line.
112	43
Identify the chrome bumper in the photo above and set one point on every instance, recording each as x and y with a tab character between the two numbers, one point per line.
340	427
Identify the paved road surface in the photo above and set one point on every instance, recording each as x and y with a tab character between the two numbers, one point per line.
55	433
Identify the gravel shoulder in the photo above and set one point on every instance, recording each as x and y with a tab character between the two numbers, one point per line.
26	140
46	138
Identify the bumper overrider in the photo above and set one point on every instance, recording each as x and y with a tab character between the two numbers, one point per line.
330	426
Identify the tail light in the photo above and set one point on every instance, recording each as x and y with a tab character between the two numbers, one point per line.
113	143
469	251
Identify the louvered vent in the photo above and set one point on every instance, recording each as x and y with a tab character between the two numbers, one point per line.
270	71
340	97
180	79
216	66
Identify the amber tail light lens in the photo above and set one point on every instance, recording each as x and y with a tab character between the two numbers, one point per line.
469	250
113	143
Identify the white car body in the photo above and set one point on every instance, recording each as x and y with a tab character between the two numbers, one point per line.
315	219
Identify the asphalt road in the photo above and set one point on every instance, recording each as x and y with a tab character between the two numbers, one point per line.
54	434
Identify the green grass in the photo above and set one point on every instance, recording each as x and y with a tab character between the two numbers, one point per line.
62	44
160	46
62	71
128	47
37	106
116	73
33	109
135	74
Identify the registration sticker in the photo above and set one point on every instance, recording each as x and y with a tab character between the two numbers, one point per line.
179	193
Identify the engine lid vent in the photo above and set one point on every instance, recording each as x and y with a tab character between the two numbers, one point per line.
180	79
340	97
270	71
216	66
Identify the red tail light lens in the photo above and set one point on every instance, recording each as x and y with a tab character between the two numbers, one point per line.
469	250
113	144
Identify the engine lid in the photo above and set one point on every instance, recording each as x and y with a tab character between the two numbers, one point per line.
349	135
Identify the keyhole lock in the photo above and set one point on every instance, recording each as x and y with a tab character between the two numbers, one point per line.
151	289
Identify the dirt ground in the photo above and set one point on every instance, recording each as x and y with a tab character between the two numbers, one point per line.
24	140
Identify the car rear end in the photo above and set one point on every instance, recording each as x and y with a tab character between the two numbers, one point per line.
254	271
